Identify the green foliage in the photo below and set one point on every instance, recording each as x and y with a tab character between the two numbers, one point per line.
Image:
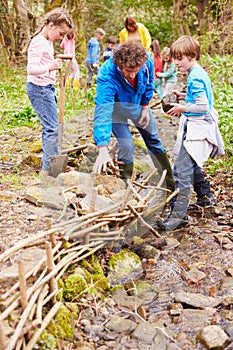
220	70
16	109
24	117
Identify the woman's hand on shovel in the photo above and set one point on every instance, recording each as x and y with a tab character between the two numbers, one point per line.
103	160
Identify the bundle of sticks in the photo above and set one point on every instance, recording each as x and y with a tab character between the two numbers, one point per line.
85	234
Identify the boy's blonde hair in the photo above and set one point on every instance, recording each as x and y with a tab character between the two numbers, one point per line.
185	46
100	31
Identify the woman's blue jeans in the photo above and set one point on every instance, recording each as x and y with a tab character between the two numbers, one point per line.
121	131
44	102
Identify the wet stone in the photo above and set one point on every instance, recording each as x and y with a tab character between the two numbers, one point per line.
93	329
227	285
213	337
145	332
193	320
120	325
229	331
197	300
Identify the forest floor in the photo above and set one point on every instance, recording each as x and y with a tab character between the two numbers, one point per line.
198	244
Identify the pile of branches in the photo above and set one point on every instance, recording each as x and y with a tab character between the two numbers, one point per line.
85	234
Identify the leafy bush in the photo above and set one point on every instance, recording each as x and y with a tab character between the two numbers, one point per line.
221	73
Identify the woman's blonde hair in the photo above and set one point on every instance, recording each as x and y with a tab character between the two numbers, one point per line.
57	16
185	46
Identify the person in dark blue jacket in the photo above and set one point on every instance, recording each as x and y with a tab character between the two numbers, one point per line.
93	54
125	86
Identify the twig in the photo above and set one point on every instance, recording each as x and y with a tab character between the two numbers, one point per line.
86	230
23	243
23	319
134	191
45	322
144	222
2	338
148	179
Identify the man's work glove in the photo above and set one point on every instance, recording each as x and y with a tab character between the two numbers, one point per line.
144	118
103	160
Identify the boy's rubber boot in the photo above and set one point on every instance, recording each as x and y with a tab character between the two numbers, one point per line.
202	188
126	171
162	162
178	216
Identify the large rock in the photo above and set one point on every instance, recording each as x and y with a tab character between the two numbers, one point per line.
125	266
214	337
30	258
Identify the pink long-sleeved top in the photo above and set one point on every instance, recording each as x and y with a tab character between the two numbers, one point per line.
68	45
40	58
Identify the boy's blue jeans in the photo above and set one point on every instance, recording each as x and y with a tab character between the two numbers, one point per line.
44	102
186	173
121	131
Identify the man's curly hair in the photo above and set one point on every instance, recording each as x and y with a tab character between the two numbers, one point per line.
131	54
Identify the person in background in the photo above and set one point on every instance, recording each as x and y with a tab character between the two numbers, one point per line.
169	72
111	43
93	54
198	136
68	44
125	86
155	53
41	77
135	31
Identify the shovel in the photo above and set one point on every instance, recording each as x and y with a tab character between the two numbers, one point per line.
59	162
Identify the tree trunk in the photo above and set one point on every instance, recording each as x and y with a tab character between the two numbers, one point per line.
7	29
203	11
22	24
180	27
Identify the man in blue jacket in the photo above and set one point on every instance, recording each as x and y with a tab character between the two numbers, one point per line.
125	86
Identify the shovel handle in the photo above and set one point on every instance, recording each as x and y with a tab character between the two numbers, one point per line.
62	98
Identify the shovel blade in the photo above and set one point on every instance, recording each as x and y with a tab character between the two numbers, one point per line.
58	164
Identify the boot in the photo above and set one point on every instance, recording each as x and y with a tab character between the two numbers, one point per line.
173	222
126	171
202	188
205	201
178	217
162	162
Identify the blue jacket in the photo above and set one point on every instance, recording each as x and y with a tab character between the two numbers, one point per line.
116	96
93	51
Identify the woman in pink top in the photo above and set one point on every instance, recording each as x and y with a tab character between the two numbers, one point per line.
41	69
68	44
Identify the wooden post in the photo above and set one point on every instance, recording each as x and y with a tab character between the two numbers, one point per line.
22	285
52	284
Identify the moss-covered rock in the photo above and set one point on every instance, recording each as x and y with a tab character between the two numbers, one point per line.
46	341
63	324
125	266
95	275
73	286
